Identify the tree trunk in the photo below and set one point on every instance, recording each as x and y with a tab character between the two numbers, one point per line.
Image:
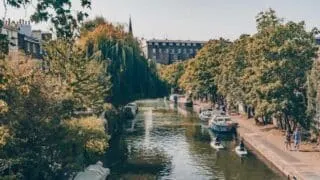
287	121
280	120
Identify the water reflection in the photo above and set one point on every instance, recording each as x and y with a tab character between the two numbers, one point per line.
164	143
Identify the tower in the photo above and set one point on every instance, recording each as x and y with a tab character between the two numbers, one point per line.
130	27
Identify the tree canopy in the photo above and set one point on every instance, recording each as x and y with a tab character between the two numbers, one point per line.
267	70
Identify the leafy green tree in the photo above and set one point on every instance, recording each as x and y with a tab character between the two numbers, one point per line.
171	74
201	73
232	70
38	139
279	59
83	76
121	51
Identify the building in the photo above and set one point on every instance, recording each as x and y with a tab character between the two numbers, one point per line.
32	45
10	30
170	51
21	37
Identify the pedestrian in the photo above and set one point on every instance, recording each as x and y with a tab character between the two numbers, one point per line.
297	139
288	140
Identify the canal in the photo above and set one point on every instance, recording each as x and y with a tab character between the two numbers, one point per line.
161	143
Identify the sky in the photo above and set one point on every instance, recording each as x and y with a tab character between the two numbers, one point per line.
191	19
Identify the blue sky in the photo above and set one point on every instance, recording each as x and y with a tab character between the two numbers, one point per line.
193	19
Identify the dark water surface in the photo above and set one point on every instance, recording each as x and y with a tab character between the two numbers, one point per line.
161	143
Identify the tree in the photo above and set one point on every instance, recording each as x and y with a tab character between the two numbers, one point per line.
58	12
201	73
121	51
171	74
280	57
39	141
232	70
84	77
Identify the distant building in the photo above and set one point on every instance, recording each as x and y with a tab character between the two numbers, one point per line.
10	30
21	37
170	51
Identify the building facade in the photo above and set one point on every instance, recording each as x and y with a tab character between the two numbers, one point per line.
170	51
22	38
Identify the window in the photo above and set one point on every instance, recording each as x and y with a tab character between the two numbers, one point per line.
172	51
182	44
154	57
188	44
160	50
154	50
156	44
179	50
184	50
191	51
177	44
194	44
34	49
167	50
163	44
170	44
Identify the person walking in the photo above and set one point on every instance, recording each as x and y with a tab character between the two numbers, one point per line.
297	139
288	140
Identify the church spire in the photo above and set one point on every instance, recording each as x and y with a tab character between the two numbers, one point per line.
130	26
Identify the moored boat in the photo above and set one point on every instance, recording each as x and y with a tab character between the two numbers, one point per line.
206	115
222	123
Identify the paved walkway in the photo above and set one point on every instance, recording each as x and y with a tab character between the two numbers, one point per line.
269	143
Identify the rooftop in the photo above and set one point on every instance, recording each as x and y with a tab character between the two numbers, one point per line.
175	41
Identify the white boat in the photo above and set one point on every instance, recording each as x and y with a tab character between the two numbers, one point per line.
222	123
94	172
215	146
241	153
134	108
206	115
174	98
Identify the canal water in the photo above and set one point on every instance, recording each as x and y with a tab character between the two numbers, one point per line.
161	143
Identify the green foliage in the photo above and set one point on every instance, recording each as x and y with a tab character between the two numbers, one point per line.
267	71
38	139
126	65
201	72
83	77
171	73
58	12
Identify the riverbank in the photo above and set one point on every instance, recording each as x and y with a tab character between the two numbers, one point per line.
268	143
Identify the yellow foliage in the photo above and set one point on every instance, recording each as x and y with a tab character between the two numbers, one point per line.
87	123
97	145
92	129
102	31
4	135
3	107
